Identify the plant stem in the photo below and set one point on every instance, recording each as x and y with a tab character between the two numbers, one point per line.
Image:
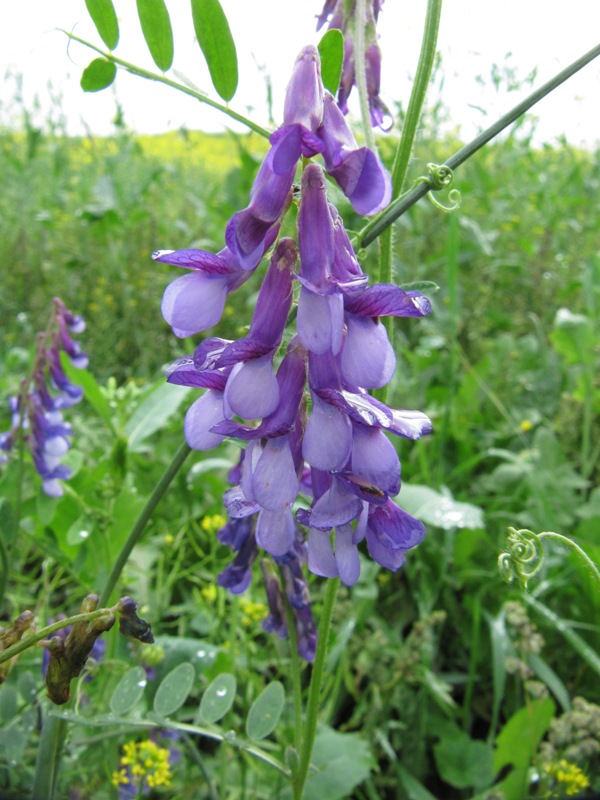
141	522
360	72
54	728
314	692
153	76
378	224
54	731
295	676
417	95
44	633
592	568
409	131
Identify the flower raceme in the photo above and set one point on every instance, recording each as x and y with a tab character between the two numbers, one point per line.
312	125
37	410
341	15
316	448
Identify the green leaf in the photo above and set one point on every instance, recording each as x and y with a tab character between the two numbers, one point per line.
413	788
174	689
464	762
104	16
157	30
342	761
99	74
9	700
217	45
79	531
331	50
128	691
153	413
265	711
440	508
517	744
91	389
217	699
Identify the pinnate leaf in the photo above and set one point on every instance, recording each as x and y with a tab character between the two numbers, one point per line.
217	45
98	75
157	30
331	50
174	689
104	17
265	711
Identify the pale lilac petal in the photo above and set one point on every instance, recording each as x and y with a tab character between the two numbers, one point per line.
194	303
374	459
275	531
395	528
368	358
274	479
252	391
237	504
337	506
346	555
303	103
52	488
390	559
319	321
328	437
200	418
321	560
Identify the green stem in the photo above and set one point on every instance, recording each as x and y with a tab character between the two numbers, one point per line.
295	676
44	633
402	157
48	759
592	568
154	76
54	728
141	522
417	95
360	16
398	207
314	692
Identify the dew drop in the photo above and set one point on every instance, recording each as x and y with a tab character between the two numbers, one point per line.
142	684
83	534
201	654
221	692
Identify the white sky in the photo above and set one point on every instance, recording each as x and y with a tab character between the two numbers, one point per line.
474	35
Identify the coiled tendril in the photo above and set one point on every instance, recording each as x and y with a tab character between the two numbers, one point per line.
440	177
524	556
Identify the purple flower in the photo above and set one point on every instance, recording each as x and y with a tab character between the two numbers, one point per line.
238	535
358	170
195	301
37	411
342	18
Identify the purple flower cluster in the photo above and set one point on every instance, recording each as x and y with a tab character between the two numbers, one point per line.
312	125
37	410
314	436
340	14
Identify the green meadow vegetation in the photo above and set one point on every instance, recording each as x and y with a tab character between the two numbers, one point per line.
443	680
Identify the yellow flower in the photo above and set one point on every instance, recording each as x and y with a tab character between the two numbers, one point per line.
146	762
252	612
568	778
209	593
526	425
212	524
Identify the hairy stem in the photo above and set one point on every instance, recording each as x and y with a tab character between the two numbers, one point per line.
400	206
314	692
180	87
